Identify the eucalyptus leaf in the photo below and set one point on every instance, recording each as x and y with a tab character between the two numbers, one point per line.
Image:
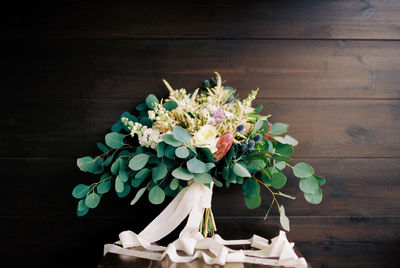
90	164
314	198
170	105
257	126
159	172
116	127
138	162
279	128
284	219
303	170
102	147
203	178
104	187
138	195
156	195
92	200
278	180
286	140
142	174
169	139
182	152
194	165
125	191
240	170
252	202
217	182
181	134
81	205
174	184
182	174
160	149
309	185
170	152
119	185
82	213
151	100
141	107
115	140
80	191
321	180
123	175
251	187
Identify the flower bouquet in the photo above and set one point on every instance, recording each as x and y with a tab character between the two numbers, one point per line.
208	137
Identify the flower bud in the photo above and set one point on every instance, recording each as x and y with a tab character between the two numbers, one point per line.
240	128
257	138
224	143
251	145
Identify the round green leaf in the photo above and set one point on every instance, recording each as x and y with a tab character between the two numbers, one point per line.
194	165
126	191
138	195
123	175
278	180
170	152
181	134
115	140
92	200
159	172
309	185
217	182
170	105
174	184
182	152
141	107
251	187
81	205
80	191
279	128
150	100
102	147
86	163
169	139
252	202
142	174
303	170
241	171
160	149
156	195
82	213
314	198
119	185
203	178
104	187
139	161
182	174
116	127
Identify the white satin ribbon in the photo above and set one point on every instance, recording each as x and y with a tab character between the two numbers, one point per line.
191	202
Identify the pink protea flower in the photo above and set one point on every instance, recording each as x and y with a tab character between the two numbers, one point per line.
224	143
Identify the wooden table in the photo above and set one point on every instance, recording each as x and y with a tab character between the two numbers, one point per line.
226	230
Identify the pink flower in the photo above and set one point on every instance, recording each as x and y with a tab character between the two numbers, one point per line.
224	143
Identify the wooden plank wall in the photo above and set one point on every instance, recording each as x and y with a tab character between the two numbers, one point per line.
329	68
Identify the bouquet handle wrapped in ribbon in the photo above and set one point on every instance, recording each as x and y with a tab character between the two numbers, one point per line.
190	203
181	147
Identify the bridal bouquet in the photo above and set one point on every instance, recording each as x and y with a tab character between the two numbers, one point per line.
209	136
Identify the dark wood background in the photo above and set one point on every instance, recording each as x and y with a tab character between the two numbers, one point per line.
329	68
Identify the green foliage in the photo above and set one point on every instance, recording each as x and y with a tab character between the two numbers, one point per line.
170	105
194	165
92	200
174	184
203	178
115	140
181	135
138	195
252	202
279	128
156	195
314	198
240	170
303	170
141	107
182	174
102	147
150	100
125	192
182	152
161	149
257	126
309	185
104	187
138	162
117	126
159	172
278	179
284	219
90	164
80	191
321	180
119	185
251	187
171	140
170	152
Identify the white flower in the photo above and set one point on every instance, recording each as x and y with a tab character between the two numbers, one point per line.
152	114
206	137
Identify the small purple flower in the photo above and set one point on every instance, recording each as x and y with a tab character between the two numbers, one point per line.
218	115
